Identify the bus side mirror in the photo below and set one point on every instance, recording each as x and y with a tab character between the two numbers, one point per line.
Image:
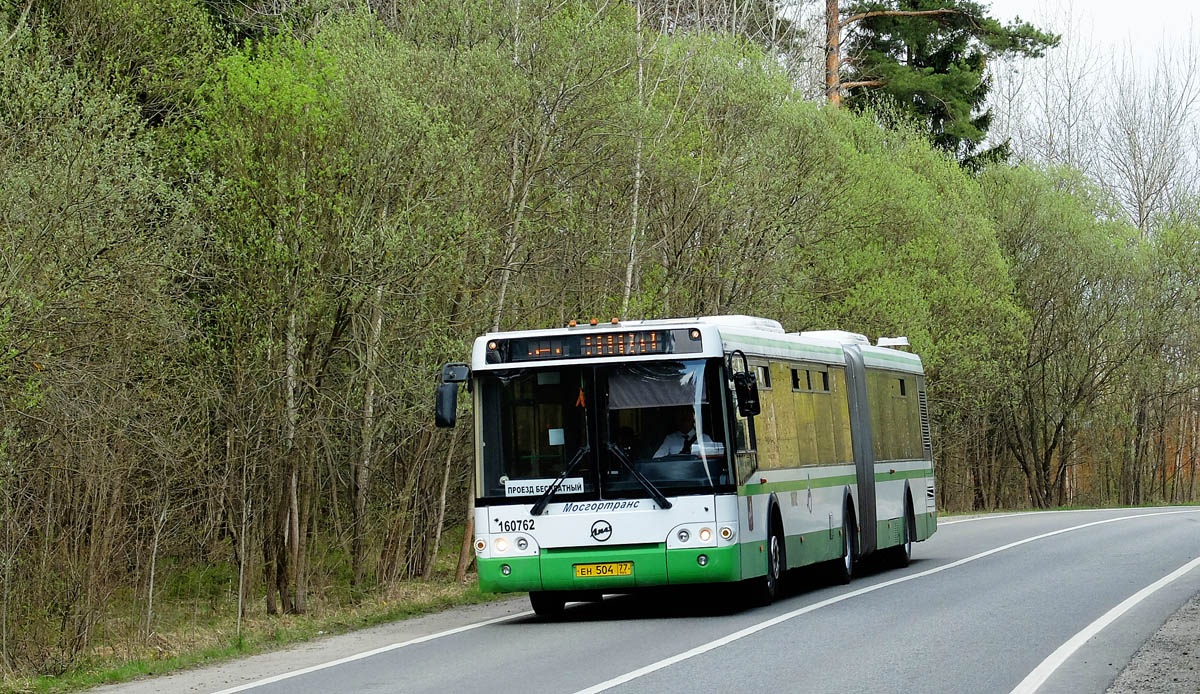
746	387
446	414
446	405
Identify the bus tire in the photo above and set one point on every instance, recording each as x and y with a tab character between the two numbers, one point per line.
843	569
547	604
902	553
765	589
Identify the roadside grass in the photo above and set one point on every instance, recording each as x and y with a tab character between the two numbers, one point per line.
194	622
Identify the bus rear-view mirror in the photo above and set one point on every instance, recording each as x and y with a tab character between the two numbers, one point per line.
446	408
746	387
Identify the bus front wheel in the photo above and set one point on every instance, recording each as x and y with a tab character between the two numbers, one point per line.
764	590
547	604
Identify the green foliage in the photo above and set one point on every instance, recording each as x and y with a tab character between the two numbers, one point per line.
207	207
934	67
152	51
1078	279
87	329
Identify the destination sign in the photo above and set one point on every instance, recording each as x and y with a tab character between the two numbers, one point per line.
606	344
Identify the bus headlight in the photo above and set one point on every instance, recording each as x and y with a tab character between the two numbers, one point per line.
501	544
480	544
522	544
705	534
684	535
726	533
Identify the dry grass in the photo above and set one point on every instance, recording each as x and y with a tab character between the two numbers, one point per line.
199	626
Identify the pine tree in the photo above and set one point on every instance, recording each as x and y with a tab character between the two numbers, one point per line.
929	58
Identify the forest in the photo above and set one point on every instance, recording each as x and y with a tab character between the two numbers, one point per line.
239	237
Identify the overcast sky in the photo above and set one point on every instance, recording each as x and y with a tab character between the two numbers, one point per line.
1143	25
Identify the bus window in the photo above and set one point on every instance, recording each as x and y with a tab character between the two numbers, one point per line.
663	424
534	426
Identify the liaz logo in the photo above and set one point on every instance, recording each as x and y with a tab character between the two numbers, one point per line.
601	531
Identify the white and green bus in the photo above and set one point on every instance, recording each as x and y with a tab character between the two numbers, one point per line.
717	449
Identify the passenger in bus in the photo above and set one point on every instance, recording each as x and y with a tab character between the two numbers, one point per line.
679	441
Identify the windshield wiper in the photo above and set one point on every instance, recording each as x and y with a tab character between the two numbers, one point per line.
544	499
620	456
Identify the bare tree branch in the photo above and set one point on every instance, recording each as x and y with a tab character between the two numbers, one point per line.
20	23
863	83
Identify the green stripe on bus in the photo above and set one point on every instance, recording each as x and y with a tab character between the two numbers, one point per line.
901	475
822	482
790	346
794	485
900	357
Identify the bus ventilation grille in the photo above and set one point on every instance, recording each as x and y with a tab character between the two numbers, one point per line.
926	439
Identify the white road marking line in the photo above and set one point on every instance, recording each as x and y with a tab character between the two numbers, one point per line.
748	631
368	654
1042	672
979	518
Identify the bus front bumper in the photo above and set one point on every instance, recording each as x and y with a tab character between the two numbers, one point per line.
653	565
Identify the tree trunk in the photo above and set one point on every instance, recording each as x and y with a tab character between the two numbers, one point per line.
270	538
431	560
467	554
833	32
363	468
637	173
158	528
289	511
241	604
304	525
1161	454
283	570
1192	452
1180	441
1137	450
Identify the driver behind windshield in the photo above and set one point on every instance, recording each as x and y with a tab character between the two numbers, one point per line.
680	440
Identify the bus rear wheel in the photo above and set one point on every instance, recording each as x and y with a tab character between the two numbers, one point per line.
902	553
843	569
547	604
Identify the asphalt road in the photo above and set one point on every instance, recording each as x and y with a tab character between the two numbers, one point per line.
1047	602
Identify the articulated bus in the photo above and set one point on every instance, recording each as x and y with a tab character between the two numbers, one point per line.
716	449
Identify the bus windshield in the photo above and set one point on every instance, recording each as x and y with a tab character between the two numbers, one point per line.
632	430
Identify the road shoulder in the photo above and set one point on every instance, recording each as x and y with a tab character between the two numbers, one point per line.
1169	662
315	652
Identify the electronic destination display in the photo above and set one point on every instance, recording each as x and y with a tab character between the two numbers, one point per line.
582	346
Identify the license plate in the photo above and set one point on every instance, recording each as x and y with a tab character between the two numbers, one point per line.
618	568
